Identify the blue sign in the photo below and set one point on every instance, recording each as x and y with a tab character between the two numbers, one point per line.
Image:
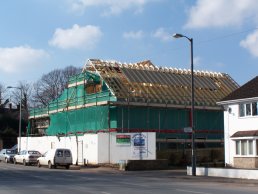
139	139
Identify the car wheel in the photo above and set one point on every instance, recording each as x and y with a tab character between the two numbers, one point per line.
14	161
50	165
67	166
38	164
6	160
24	162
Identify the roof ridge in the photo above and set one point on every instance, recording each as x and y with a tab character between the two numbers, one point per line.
248	90
148	65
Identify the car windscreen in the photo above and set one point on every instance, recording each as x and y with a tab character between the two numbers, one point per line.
33	152
10	152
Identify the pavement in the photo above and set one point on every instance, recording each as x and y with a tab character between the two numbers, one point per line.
179	174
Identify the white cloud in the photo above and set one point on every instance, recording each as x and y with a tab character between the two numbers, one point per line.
76	37
220	13
197	60
111	6
133	35
251	43
17	59
162	34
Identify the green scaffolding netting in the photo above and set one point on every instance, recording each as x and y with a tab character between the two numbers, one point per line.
167	122
76	95
171	122
82	120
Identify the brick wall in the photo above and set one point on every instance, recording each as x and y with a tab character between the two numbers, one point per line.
204	156
245	162
147	164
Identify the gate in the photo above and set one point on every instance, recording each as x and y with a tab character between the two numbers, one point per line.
80	152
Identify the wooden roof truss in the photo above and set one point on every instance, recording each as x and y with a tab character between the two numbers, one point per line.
147	83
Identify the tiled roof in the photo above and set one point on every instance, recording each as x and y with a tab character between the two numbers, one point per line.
250	133
248	90
143	81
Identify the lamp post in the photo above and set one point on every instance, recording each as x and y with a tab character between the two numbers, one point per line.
19	143
192	103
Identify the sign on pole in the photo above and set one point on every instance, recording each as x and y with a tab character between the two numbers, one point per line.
188	129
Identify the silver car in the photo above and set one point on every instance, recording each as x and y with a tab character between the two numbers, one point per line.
26	157
7	155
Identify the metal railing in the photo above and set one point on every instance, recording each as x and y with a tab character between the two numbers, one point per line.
77	101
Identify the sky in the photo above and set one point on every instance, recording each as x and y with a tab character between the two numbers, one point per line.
38	36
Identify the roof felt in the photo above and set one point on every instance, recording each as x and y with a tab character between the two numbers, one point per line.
144	81
251	133
248	90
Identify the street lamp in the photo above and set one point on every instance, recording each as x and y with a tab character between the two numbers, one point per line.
19	143
192	107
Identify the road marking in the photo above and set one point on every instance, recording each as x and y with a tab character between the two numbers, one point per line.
188	191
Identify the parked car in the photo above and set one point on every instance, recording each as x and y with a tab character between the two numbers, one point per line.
56	157
7	155
26	157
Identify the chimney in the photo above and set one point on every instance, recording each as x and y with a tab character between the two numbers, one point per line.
10	106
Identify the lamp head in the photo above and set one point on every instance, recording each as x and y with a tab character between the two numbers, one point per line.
177	35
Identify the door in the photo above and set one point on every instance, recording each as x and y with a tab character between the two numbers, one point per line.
19	157
59	156
80	152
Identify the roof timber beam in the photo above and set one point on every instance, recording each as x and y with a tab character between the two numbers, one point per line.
144	80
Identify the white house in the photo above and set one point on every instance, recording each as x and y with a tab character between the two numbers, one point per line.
241	126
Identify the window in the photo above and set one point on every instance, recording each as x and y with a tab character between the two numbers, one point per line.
245	147
59	153
10	151
257	147
250	147
238	148
254	108
248	109
33	152
242	110
67	153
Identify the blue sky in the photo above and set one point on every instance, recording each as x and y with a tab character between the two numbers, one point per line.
38	36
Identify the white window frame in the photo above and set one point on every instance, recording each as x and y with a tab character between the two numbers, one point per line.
249	151
243	109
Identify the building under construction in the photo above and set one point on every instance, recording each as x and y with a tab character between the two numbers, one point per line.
109	96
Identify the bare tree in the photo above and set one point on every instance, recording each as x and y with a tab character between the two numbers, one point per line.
2	94
51	85
70	71
26	91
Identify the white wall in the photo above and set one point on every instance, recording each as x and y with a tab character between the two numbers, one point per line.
104	148
129	152
224	172
232	124
90	148
43	144
97	148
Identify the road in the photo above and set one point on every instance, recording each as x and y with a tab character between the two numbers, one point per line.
18	179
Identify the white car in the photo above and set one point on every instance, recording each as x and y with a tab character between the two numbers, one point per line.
7	155
26	157
56	157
